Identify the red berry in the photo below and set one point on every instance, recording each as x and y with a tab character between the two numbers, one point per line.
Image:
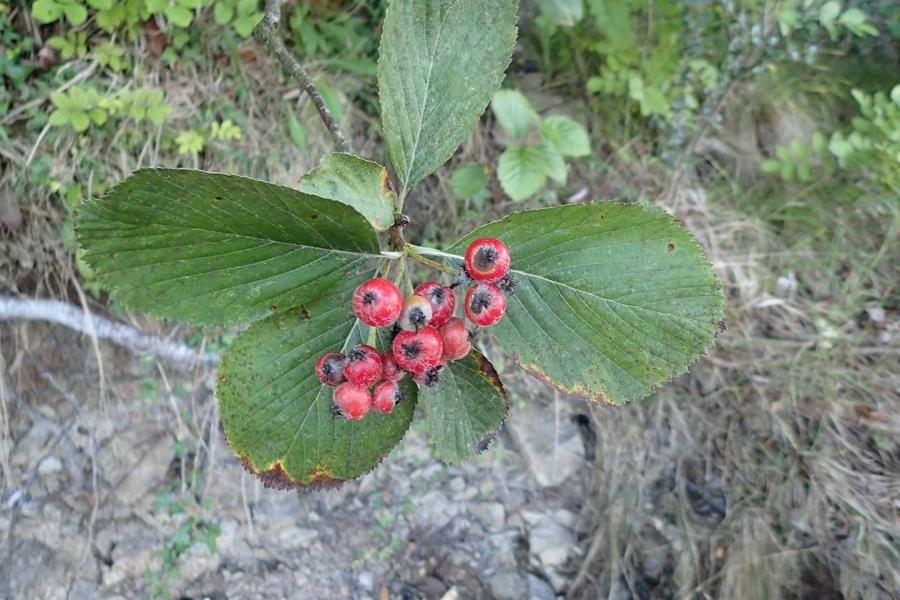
389	368
377	302
442	301
416	313
330	368
353	400
485	304
363	366
418	351
387	394
487	259
457	339
431	376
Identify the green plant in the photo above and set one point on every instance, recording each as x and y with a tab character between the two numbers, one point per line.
612	300
872	147
243	15
539	147
72	44
179	12
193	528
74	11
79	106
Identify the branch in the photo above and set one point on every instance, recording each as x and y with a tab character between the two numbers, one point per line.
267	34
73	317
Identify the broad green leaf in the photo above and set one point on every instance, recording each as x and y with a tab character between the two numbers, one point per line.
179	15
465	409
223	12
277	414
522	171
567	135
210	248
514	113
355	181
612	299
563	12
46	11
75	14
440	62
468	180
556	164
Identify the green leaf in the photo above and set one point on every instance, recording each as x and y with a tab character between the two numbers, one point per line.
468	180
563	12
223	12
612	299
568	135
296	130
770	166
514	113
80	121
556	165
101	4
465	409
76	14
179	16
522	171
277	414
244	25
355	181
210	248
431	91
46	11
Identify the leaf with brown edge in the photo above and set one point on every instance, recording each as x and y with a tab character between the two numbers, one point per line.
277	414
612	299
465	409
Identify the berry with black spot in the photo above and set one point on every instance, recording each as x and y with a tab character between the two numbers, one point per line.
485	304
432	376
416	313
487	259
386	396
418	351
377	302
442	300
457	339
389	368
354	401
330	368
363	365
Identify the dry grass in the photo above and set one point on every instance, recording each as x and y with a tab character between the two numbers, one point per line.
773	469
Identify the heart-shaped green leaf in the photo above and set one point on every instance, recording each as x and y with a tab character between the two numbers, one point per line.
440	62
277	414
465	409
210	248
612	299
355	181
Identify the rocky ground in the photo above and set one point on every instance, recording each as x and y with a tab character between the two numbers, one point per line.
114	493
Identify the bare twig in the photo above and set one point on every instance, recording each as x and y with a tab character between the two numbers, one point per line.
29	309
267	34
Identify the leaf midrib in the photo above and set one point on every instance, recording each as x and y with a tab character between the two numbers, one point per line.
415	146
232	234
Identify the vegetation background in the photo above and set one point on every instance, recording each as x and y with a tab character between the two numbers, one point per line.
772	470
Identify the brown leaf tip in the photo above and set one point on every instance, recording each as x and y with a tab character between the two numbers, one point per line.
277	479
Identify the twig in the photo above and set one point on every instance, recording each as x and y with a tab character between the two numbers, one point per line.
119	333
267	34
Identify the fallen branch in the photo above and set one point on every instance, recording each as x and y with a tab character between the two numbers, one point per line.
73	317
267	34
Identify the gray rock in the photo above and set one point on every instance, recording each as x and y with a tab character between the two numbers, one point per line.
435	510
538	589
83	590
366	580
293	538
508	585
149	472
50	465
551	446
552	543
490	514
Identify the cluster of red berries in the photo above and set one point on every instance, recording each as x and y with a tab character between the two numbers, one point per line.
425	333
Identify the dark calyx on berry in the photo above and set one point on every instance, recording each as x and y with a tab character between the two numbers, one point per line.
330	368
482	298
508	284
484	258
